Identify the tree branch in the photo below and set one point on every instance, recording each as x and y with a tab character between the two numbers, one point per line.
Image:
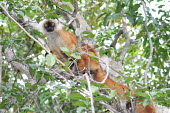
150	43
135	41
75	8
23	68
116	37
90	92
0	70
19	66
27	53
109	107
64	10
127	44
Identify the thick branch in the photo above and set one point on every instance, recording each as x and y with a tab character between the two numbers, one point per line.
75	8
19	66
23	68
127	44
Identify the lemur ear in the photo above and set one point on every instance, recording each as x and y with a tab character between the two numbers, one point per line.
41	26
59	25
56	20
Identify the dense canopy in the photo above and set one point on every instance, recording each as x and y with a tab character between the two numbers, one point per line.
132	38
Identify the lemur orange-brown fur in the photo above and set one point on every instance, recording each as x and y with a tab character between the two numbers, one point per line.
58	37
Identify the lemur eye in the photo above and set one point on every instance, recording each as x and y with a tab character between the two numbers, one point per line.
53	24
45	25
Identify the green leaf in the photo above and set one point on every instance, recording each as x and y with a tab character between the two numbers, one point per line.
101	98
79	103
112	94
66	7
77	96
39	75
88	34
31	70
67	1
150	27
119	7
135	7
146	102
64	49
45	98
102	52
114	16
20	13
76	56
50	60
28	85
34	7
126	2
105	19
101	15
54	3
168	91
19	98
80	109
48	76
94	89
93	58
129	79
130	18
141	94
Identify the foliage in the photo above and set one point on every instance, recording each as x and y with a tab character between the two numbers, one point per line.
104	17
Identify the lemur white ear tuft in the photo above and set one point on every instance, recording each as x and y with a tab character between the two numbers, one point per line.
56	20
59	26
41	26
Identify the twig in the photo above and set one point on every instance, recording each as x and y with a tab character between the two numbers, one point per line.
116	37
127	44
134	41
64	10
109	107
0	70
70	21
90	91
107	75
75	8
8	15
150	43
32	45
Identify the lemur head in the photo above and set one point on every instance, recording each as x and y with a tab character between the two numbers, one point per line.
50	25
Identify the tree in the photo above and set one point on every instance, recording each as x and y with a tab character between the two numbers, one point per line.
133	45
